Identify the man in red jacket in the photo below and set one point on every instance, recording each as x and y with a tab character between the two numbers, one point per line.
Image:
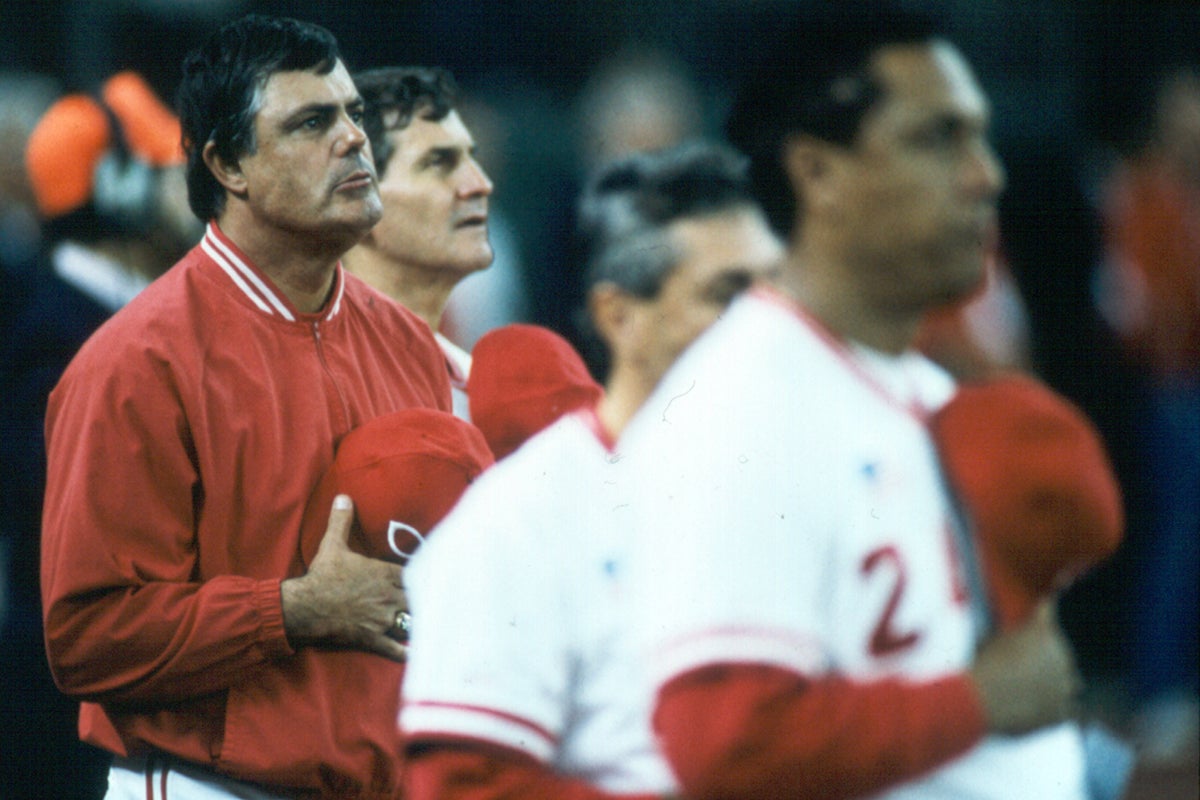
184	441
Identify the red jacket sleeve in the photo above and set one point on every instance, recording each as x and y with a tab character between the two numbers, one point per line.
126	617
476	772
757	731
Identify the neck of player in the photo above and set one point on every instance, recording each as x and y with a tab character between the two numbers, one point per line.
300	266
624	392
424	292
827	292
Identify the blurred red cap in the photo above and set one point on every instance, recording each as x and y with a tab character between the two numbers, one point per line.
1036	484
404	471
74	135
524	377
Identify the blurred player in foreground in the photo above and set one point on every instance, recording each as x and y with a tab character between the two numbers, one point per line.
802	607
520	683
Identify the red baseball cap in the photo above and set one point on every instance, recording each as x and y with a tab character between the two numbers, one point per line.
524	377
404	471
1036	485
74	134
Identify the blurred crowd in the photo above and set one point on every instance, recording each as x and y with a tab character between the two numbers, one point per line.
1095	286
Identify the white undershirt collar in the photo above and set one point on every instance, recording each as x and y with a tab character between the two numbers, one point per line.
97	276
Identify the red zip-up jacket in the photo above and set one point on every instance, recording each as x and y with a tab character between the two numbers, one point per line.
183	443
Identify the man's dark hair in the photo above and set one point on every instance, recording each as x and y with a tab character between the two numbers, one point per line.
816	80
629	203
392	96
221	89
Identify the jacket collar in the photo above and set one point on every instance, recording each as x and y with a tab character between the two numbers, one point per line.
257	286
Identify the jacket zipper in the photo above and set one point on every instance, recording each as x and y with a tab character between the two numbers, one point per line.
319	343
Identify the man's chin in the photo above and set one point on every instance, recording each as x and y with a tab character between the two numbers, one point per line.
968	283
486	260
476	262
348	230
363	219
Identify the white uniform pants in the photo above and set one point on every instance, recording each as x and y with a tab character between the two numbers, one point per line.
161	778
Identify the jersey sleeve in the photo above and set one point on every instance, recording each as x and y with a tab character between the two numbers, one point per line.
125	618
487	663
758	731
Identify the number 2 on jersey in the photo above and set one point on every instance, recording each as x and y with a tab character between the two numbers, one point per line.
886	638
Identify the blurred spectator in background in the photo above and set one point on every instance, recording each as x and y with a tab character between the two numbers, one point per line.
106	175
26	95
1149	291
636	100
1051	236
434	230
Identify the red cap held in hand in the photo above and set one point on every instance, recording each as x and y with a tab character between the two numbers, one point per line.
1037	487
404	471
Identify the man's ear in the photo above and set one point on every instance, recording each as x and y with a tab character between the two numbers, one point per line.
608	308
227	172
807	162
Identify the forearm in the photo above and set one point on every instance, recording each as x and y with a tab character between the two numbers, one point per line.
163	642
465	772
754	731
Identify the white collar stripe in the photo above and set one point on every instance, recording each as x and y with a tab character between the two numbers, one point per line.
336	305
249	275
237	279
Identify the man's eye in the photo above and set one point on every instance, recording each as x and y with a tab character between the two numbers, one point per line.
729	287
937	135
357	115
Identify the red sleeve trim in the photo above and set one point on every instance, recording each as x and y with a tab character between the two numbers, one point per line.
541	732
466	770
268	600
758	731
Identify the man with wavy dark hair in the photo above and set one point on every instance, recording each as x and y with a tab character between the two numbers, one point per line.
188	434
434	231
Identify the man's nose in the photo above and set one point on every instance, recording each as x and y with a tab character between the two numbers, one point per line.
476	181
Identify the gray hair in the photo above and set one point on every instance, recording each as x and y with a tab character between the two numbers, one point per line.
629	204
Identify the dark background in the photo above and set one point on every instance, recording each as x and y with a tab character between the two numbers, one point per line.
1070	82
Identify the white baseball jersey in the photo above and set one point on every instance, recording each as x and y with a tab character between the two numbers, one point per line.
794	516
519	610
